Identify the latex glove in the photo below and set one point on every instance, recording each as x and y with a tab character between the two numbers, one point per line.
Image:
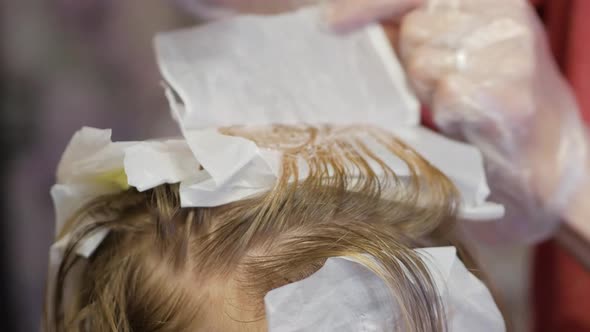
485	70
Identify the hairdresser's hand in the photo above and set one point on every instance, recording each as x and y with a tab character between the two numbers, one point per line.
485	70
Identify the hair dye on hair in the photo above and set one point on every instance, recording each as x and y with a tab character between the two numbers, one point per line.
167	268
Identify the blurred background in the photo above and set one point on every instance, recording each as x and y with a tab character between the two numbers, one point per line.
70	63
66	64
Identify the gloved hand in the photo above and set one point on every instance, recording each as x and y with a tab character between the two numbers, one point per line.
484	68
485	71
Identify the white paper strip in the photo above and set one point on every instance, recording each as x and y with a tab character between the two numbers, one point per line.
286	69
345	296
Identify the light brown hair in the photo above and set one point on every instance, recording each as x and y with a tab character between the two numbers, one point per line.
167	268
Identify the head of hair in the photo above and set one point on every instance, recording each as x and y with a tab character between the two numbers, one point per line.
167	268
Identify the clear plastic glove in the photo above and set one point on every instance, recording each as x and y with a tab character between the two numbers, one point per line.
485	71
484	68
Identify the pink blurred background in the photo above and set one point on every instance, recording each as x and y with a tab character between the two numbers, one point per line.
66	63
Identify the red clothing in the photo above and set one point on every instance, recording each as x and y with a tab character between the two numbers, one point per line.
561	286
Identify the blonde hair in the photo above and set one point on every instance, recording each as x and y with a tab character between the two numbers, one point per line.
167	268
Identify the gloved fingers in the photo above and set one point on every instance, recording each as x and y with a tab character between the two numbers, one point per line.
348	15
443	29
466	34
426	67
490	68
532	138
459	98
498	112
